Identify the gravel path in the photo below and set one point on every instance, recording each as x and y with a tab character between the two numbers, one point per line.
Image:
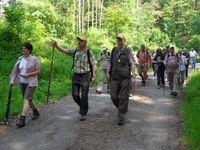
152	123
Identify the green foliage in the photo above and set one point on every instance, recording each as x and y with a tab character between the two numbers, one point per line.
190	110
194	42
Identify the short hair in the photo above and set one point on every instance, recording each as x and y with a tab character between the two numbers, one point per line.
29	46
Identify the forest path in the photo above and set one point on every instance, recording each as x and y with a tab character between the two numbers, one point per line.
152	123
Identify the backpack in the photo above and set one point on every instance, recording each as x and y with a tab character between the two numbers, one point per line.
89	61
172	61
123	68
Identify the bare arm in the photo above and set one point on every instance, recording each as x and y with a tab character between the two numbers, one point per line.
61	49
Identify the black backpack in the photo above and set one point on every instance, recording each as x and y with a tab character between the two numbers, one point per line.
89	61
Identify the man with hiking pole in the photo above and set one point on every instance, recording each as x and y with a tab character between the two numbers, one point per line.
84	72
121	66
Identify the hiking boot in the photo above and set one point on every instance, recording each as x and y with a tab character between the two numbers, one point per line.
174	93
120	119
83	118
143	82
36	114
120	122
21	122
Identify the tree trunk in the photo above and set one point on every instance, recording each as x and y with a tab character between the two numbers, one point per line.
101	14
92	13
88	18
83	18
96	21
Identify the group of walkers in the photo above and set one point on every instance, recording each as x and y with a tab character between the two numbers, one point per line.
118	67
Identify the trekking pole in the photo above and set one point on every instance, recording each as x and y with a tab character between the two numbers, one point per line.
8	103
50	74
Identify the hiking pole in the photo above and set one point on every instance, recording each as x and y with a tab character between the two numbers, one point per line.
50	74
8	103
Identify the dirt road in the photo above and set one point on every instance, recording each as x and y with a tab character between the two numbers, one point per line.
152	123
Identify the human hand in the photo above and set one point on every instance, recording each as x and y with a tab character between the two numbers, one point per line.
93	79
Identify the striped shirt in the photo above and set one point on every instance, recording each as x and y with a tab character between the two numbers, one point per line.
81	64
105	60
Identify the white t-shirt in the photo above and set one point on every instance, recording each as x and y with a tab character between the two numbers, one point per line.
193	53
23	69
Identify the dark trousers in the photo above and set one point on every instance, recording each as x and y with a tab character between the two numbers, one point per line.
186	71
161	76
119	92
80	86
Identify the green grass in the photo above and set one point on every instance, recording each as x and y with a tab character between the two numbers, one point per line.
190	111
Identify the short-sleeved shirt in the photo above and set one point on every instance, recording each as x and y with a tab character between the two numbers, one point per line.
81	64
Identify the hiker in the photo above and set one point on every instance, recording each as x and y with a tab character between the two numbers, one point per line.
121	65
182	69
84	72
25	73
159	61
193	55
187	55
154	65
171	62
144	60
104	59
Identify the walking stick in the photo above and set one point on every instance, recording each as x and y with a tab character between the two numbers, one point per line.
50	74
8	103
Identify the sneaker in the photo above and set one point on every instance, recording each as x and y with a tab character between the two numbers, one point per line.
83	118
158	86
99	92
36	114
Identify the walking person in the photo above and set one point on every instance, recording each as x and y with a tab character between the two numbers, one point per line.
193	55
121	65
159	61
171	62
143	61
25	73
84	71
104	59
182	69
187	56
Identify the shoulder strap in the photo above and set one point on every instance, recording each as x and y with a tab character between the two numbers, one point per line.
89	61
74	58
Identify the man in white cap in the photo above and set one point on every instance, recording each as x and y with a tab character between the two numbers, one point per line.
104	59
84	71
121	65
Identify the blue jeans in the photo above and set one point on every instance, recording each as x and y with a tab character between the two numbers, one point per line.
193	61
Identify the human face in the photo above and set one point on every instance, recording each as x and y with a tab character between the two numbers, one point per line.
143	48
120	42
81	44
25	51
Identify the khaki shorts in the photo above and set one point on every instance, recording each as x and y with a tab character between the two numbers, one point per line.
142	69
27	92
